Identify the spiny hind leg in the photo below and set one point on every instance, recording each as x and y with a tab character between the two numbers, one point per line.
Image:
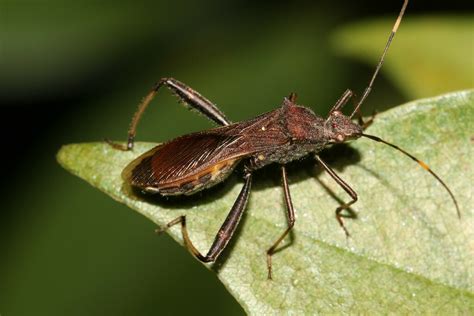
225	233
186	94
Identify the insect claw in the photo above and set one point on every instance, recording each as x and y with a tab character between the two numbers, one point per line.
115	145
347	232
341	223
160	230
269	264
270	274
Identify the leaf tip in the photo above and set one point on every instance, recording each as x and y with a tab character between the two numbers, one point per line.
66	155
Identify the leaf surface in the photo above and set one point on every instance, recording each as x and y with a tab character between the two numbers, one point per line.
408	251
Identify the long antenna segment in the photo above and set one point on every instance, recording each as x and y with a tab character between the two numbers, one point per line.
422	164
379	65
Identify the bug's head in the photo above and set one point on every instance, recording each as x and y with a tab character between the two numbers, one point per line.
340	128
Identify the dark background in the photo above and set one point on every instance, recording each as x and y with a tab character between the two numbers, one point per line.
74	72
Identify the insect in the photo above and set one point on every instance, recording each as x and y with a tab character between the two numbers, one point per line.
193	162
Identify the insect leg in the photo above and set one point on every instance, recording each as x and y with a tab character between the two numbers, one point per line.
346	188
185	94
291	222
345	97
368	122
225	232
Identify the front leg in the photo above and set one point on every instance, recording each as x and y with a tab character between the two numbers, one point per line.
346	188
345	97
365	124
185	94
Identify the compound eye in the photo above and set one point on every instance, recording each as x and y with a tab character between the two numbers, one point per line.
340	138
334	125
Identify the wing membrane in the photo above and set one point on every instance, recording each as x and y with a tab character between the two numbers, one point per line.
182	158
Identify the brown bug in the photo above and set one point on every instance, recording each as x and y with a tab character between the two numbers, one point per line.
197	161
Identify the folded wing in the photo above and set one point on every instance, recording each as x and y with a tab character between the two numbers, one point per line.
196	161
186	164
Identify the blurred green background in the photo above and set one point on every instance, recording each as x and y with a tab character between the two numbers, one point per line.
75	71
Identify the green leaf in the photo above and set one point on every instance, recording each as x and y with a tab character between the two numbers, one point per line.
408	251
436	51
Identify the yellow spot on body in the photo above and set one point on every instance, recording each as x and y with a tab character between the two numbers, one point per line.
263	128
261	157
215	169
218	168
425	166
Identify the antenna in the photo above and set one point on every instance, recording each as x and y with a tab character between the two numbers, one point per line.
422	164
379	65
